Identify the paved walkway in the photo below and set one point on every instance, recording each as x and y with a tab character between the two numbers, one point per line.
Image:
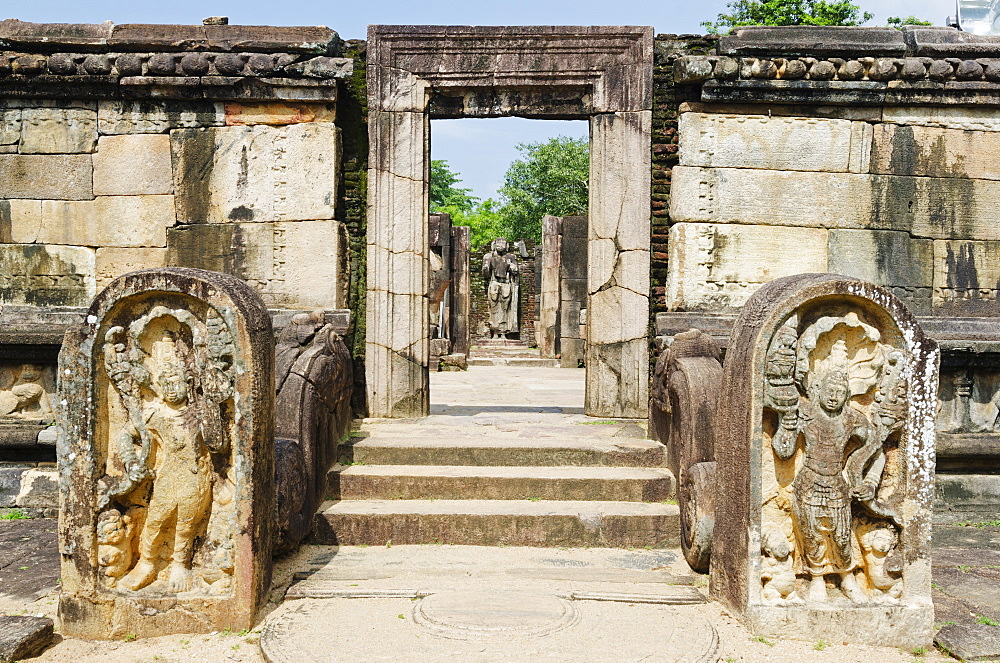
473	603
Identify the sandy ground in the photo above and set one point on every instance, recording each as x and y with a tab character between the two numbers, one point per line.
446	567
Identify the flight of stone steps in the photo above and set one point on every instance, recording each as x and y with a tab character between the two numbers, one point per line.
507	352
501	477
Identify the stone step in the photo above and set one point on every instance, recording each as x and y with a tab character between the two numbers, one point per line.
497	522
524	362
403	449
418	482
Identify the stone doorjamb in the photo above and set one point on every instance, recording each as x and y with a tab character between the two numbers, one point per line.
603	74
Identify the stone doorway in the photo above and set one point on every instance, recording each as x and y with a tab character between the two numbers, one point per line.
602	74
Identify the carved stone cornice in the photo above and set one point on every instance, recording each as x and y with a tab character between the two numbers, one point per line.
848	65
612	66
170	61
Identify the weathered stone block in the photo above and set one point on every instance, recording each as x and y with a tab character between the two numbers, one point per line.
927	207
113	262
825	457
58	130
296	265
133	166
167	457
10	127
720	266
934	152
22	636
948	117
48	177
104	221
774	143
39	489
966	277
277	113
256	174
40	275
149	116
888	258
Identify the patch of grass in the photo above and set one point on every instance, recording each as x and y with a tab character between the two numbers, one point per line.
941	625
936	586
597	423
401	616
761	639
14	514
918	651
983	619
129	637
821	645
532	499
981	524
353	462
964	568
388	544
669	500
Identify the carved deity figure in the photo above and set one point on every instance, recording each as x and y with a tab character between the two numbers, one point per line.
500	269
26	398
172	389
837	447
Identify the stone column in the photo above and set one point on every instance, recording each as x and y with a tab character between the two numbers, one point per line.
618	266
461	303
396	346
548	300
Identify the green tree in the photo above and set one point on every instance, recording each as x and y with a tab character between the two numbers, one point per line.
444	193
787	12
551	177
898	22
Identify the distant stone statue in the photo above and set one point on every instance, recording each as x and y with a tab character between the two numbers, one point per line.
500	269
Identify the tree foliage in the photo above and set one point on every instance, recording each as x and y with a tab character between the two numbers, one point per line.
444	193
899	22
552	177
787	12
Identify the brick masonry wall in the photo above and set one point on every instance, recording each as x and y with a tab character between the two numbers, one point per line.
667	97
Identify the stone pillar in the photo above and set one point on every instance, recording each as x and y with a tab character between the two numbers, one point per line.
825	459
166	457
461	289
548	299
618	266
572	291
396	345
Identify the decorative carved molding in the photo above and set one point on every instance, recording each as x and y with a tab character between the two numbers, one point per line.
611	64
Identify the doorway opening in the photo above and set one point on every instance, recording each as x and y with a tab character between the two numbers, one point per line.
492	182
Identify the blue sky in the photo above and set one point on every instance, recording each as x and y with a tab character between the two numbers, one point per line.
479	150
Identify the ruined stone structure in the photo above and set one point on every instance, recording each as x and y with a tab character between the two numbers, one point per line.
717	166
825	465
563	298
166	457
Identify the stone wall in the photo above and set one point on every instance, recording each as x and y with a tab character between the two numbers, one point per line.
132	146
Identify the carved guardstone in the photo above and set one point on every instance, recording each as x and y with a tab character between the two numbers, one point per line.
825	459
166	458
